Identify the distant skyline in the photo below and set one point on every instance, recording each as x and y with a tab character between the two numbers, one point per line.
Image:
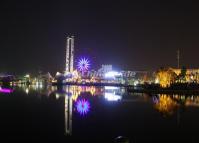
130	35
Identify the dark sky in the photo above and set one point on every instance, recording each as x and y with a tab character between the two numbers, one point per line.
133	35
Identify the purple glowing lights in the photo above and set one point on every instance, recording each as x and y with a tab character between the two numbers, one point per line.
83	64
155	99
83	106
5	90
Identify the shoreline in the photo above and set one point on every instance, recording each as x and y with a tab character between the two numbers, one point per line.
91	84
165	91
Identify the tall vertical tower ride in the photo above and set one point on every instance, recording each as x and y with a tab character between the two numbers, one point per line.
178	59
69	54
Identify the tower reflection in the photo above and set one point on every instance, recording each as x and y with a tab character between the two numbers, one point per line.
71	96
68	104
67	93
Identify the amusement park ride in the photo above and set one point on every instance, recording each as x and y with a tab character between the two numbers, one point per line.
76	77
79	76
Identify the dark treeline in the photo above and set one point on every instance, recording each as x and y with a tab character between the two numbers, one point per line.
173	86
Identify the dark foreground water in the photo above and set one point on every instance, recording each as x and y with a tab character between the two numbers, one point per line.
96	114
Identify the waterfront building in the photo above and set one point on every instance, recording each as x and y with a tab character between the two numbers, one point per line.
192	75
167	76
105	69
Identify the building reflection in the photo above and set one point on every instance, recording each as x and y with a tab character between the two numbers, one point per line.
77	100
110	93
68	112
42	90
169	104
76	91
192	101
113	93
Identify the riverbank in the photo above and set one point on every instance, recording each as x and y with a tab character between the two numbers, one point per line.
175	88
164	91
91	84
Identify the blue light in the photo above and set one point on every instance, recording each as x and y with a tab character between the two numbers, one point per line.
83	106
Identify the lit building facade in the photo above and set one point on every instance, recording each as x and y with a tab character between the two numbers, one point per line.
105	68
192	75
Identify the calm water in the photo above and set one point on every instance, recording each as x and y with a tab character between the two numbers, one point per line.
93	114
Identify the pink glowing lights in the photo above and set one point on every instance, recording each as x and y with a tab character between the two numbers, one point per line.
5	90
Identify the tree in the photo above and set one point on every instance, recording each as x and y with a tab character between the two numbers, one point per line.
182	75
165	76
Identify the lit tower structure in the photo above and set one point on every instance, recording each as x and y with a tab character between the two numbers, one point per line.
178	58
69	54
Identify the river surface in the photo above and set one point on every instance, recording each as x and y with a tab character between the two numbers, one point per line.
96	114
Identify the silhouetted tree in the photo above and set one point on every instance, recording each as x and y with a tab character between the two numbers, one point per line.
183	74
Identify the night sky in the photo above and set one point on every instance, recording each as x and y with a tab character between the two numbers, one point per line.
130	35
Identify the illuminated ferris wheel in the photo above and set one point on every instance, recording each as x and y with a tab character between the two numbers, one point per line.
83	64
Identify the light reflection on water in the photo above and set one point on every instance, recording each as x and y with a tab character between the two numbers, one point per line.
111	94
73	99
79	101
162	102
166	104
